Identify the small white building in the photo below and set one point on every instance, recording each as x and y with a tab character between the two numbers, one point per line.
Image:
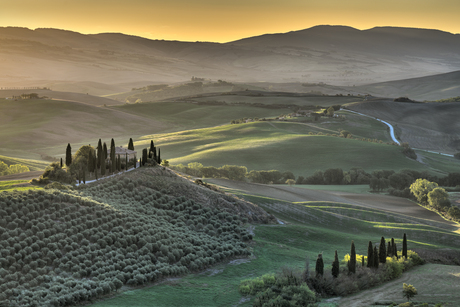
123	152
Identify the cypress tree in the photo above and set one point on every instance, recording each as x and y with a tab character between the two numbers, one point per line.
61	163
119	163
104	150
352	263
389	250
68	155
144	156
130	144
159	157
135	161
152	149
126	161
94	162
370	255
335	266
112	143
376	258
362	261
404	248
319	266
99	154
382	251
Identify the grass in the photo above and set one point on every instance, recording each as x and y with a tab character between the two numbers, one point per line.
311	228
184	116
356	188
13	185
277	145
440	162
33	165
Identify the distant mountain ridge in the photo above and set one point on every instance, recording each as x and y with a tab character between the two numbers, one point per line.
333	54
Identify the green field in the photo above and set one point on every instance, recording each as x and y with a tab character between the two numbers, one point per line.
184	116
16	185
282	146
310	228
33	165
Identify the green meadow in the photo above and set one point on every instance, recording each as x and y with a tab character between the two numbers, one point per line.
283	146
33	165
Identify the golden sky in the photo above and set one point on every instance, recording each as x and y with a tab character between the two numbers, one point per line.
222	21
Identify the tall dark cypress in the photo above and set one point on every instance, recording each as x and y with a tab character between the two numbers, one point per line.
319	266
61	163
404	248
104	150
370	255
112	143
335	266
144	156
382	251
159	157
99	154
94	162
352	264
376	258
131	144
135	161
152	149
68	155
389	250
119	163
126	161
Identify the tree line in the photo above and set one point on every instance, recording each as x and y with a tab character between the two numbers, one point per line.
90	162
12	169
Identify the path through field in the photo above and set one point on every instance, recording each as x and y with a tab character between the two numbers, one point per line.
375	201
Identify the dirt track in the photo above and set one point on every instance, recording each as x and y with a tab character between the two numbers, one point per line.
294	194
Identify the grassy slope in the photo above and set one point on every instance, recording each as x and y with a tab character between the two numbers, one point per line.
31	128
184	116
277	145
311	228
33	165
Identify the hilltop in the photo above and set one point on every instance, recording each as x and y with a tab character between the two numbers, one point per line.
100	63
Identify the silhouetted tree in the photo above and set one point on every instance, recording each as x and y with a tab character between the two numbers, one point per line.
144	156
131	144
335	265
68	155
404	248
389	249
370	255
159	157
382	251
319	265
61	163
376	257
104	149
352	263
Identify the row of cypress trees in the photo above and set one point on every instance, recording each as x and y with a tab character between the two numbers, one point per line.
374	257
98	159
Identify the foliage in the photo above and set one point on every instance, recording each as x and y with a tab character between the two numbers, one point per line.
286	288
438	199
56	173
409	291
421	187
290	181
408	152
335	266
64	247
12	169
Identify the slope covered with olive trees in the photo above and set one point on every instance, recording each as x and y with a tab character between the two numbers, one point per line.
62	247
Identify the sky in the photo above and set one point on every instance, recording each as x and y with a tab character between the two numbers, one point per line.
223	21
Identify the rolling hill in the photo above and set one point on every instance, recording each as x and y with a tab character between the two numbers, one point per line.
431	126
332	54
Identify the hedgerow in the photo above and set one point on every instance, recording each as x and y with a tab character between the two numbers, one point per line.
62	247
